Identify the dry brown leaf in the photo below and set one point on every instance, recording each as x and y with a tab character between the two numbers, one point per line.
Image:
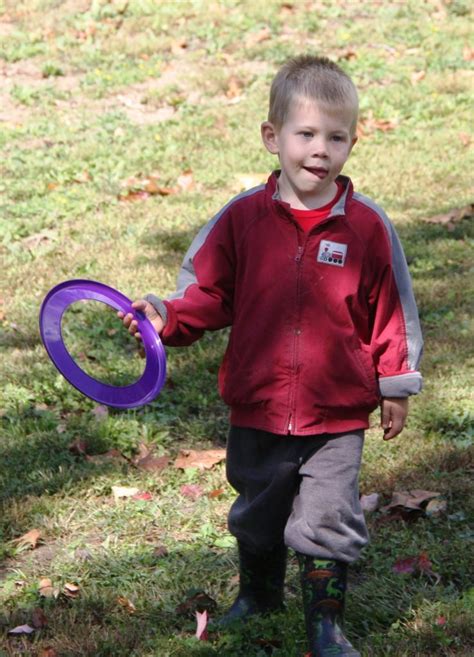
48	651
234	89
248	180
126	604
186	181
147	461
46	588
254	38
160	552
453	217
83	177
217	492
417	76
78	446
38	618
465	138
190	458
30	538
370	124
71	590
468	53
410	499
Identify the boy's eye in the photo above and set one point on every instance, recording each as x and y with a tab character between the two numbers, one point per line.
306	134
338	138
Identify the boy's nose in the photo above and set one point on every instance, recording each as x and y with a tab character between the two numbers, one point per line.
320	149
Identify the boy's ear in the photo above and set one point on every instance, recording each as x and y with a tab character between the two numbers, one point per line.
270	137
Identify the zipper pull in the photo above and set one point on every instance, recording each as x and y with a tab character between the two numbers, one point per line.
299	253
290	424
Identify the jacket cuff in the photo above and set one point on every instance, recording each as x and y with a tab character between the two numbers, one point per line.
401	385
158	305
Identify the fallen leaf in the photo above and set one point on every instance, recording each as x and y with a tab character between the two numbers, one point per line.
234	89
82	177
410	499
186	181
254	38
347	54
199	601
123	491
248	180
193	491
46	589
411	565
217	492
405	566
370	124
453	217
190	458
417	76
107	456
78	447
48	652
436	507
441	620
468	53
133	196
126	604
160	552
145	497
370	502
71	590
100	412
33	241
22	629
147	461
202	619
38	618
465	138
31	538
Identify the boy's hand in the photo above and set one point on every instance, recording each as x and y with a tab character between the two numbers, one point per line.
148	310
394	411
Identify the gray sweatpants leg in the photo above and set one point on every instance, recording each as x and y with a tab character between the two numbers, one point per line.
327	520
304	489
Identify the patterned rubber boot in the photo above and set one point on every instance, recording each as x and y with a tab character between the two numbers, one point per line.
262	579
324	588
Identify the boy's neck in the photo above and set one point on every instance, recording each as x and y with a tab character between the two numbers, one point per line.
287	195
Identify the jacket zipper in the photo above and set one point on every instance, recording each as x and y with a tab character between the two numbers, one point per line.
298	258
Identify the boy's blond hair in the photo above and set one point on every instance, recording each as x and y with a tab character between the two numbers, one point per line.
315	78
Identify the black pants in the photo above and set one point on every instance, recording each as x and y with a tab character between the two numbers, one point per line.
300	489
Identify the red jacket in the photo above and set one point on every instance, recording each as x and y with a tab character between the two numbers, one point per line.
323	323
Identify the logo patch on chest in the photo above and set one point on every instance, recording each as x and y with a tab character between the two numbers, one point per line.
332	253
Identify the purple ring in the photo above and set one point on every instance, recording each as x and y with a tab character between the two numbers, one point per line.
54	305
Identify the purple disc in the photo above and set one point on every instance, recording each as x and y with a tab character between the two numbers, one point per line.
56	302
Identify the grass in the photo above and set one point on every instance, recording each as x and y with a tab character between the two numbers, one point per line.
95	93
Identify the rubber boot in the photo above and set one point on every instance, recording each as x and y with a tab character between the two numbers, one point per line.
262	579
324	588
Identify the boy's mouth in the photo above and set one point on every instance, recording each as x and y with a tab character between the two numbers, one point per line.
320	172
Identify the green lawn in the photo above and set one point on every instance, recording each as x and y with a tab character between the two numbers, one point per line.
124	126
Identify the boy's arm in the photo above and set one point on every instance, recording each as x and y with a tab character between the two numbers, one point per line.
204	296
396	340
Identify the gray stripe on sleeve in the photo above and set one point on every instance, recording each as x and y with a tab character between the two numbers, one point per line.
187	274
404	286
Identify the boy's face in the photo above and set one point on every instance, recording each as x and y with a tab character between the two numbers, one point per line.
313	145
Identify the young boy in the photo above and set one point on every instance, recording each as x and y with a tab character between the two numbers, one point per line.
313	280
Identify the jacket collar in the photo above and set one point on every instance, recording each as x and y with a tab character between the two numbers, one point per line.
338	210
